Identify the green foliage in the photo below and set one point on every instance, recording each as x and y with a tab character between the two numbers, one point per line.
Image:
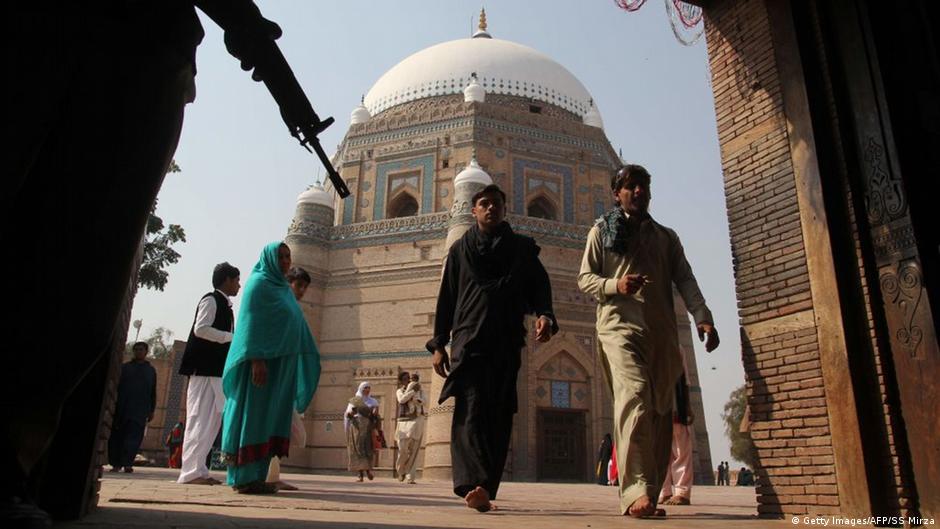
742	447
158	247
160	342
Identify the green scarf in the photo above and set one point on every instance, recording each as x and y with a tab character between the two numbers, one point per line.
272	325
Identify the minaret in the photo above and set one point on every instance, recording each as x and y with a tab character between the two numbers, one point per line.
437	448
307	237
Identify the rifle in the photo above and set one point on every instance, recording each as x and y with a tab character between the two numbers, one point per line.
296	111
250	38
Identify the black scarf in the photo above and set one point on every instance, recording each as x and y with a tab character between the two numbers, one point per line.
493	256
617	229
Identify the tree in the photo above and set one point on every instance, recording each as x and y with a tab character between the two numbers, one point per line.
158	247
160	342
742	447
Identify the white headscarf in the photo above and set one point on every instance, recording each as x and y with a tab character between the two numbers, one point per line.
369	401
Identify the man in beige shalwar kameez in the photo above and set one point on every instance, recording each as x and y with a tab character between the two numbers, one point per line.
630	265
409	426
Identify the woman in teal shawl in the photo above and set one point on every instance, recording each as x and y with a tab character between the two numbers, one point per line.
273	366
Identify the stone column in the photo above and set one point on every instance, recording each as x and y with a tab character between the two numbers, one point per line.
437	448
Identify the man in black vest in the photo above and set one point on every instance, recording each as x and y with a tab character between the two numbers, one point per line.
203	361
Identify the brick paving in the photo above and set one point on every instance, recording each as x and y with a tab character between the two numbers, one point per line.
150	498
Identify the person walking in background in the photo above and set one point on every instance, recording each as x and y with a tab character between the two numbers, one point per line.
203	362
299	280
136	402
630	265
360	419
723	473
409	425
613	477
603	459
677	485
273	368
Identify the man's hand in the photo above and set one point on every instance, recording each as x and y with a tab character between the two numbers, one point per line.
242	43
441	362
543	329
259	373
630	284
708	334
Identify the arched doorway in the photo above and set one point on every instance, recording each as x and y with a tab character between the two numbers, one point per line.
563	394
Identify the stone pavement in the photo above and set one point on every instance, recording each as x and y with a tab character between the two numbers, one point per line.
150	498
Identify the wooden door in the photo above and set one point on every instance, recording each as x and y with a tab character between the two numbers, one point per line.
561	445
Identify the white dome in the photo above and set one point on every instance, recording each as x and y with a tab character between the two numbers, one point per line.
359	114
315	194
473	173
474	92
502	67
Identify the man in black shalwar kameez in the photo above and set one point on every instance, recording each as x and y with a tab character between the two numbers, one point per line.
492	279
136	402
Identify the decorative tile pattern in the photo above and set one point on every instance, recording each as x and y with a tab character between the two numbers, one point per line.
519	165
561	394
349	203
397	182
492	85
423	163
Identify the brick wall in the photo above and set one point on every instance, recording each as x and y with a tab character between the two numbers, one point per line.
789	422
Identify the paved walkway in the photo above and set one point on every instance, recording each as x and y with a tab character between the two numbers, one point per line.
150	498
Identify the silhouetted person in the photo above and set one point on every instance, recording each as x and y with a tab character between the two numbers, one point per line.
136	401
93	118
603	459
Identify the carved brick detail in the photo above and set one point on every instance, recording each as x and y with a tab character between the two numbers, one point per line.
904	291
884	194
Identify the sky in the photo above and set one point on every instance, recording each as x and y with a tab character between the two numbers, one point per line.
242	172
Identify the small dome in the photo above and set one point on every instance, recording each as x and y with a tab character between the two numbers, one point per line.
593	118
360	114
473	91
315	194
473	173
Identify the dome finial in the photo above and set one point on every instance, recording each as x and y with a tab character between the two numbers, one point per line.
481	27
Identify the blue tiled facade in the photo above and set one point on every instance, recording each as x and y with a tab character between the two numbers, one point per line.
519	165
424	163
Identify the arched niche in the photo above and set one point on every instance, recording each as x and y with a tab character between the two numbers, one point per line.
402	205
542	208
562	382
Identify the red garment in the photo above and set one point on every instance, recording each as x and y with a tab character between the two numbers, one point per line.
174	443
612	474
378	439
